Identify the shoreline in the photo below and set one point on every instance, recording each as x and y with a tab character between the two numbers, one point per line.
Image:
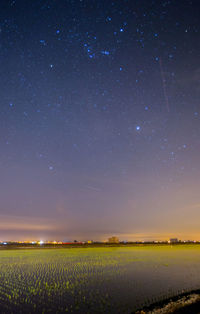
184	303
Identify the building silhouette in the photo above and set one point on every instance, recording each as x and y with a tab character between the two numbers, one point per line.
113	240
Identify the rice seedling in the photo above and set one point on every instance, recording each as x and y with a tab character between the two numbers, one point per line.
94	280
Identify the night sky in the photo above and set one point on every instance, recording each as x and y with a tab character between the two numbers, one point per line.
99	119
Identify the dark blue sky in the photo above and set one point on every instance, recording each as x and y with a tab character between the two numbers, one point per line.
99	119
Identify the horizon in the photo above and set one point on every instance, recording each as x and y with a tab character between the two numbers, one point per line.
122	238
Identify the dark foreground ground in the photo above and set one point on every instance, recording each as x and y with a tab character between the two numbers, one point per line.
186	303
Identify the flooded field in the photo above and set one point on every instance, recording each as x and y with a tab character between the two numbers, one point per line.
95	280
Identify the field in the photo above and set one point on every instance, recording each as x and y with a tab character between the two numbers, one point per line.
95	280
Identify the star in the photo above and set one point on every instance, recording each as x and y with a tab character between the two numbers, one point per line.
43	42
105	52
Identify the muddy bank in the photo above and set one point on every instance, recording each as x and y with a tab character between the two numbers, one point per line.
186	303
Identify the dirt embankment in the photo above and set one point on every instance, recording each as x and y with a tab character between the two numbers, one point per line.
185	304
